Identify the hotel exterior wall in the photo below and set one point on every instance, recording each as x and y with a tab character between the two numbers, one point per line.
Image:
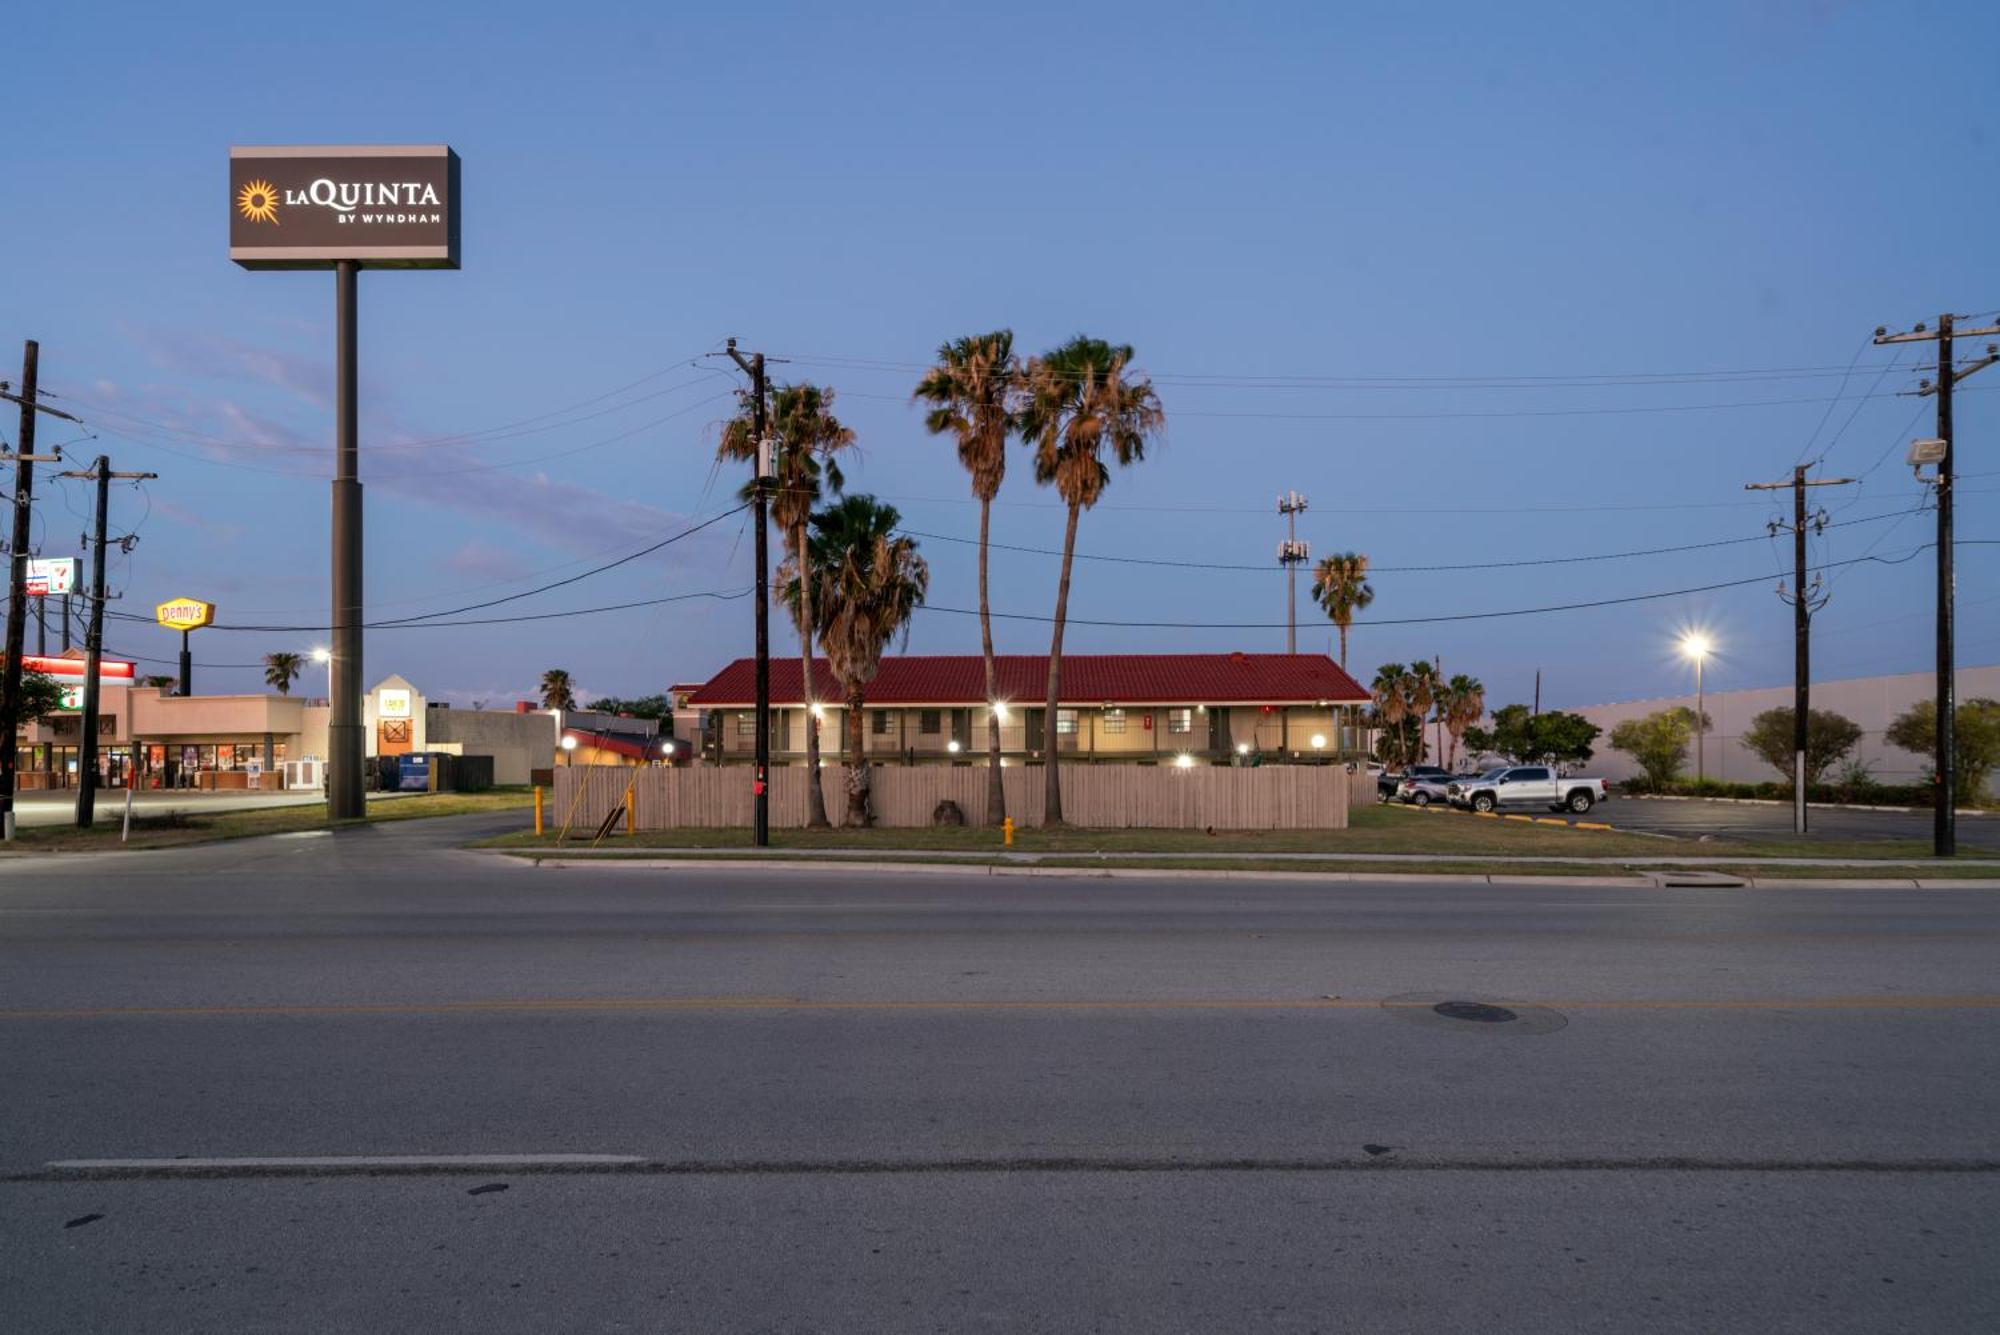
1286	731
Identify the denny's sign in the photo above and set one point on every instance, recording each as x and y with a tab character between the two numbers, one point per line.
387	206
185	614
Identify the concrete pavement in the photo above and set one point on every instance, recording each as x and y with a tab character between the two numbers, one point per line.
1773	821
914	1103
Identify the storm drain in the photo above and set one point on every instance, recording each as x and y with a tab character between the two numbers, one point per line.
1469	1015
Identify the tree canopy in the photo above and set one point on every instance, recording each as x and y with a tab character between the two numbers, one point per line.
1975	741
1829	737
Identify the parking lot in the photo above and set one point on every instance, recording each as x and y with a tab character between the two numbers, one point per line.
1691	817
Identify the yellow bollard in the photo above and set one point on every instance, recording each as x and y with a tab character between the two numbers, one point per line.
631	814
538	810
1007	831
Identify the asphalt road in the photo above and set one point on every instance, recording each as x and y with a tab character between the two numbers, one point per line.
844	1101
1770	820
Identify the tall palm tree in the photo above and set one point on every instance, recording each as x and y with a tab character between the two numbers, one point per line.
556	691
1340	586
873	580
1420	692
808	438
1081	405
1463	702
974	395
281	670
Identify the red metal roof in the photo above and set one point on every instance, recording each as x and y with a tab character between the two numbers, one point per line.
1087	679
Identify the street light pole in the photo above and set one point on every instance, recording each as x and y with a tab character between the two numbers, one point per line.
1700	727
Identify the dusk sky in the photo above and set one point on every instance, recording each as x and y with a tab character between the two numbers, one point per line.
1490	286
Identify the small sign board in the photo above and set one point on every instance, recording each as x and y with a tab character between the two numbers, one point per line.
413	773
392	702
387	206
185	614
53	574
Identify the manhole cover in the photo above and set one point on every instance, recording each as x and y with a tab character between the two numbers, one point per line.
1462	1014
1478	1012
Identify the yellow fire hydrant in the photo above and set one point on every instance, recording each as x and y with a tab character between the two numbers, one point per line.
1007	831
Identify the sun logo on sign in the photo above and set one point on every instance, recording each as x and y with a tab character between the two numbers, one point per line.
258	201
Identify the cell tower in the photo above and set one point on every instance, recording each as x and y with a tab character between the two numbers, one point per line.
1292	553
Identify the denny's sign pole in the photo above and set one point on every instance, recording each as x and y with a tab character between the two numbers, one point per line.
385	207
185	615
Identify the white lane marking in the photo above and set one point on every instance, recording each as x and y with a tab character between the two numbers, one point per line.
348	1161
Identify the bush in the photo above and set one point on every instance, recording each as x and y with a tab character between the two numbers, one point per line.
1868	793
1659	741
1829	737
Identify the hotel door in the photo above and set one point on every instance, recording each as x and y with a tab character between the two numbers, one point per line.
392	737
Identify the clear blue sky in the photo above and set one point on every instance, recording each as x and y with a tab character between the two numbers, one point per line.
1307	192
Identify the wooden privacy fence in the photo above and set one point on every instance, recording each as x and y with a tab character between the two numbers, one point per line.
1270	797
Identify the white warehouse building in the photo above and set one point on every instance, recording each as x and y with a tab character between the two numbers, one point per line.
1871	702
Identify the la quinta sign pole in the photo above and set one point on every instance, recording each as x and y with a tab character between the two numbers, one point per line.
343	208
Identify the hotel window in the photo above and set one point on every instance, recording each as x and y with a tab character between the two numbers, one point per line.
1065	723
878	722
746	725
1180	720
1114	720
930	722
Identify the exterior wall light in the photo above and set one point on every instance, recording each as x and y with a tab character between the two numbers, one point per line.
1183	761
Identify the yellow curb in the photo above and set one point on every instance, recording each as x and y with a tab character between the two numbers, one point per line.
1487	814
1590	825
1529	819
1550	820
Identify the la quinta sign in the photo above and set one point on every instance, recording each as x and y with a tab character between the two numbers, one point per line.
385	206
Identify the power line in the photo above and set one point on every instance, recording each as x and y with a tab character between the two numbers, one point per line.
1435	620
1385	569
428	617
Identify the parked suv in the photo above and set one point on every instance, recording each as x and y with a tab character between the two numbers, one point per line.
1526	786
1386	783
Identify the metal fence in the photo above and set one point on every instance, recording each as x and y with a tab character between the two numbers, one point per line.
1270	797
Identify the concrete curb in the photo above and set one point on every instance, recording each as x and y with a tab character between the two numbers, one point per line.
1780	802
1632	882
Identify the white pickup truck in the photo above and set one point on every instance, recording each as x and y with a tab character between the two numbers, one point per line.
1526	786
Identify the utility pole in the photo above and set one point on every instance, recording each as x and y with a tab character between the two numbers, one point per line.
93	641
760	786
1805	600
1944	816
25	460
1291	555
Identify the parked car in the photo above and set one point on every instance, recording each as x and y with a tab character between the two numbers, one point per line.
1526	786
1385	782
1420	790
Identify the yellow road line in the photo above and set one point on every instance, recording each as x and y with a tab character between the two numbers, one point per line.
614	1005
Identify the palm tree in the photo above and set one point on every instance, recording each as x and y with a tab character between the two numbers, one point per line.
974	392
161	681
1080	405
873	580
1463	702
281	670
1390	710
1340	586
556	692
808	437
1420	692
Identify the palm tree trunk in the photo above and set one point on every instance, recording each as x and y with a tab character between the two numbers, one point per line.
996	792
858	778
1343	648
815	799
1052	812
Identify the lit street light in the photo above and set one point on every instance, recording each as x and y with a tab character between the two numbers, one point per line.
1696	646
